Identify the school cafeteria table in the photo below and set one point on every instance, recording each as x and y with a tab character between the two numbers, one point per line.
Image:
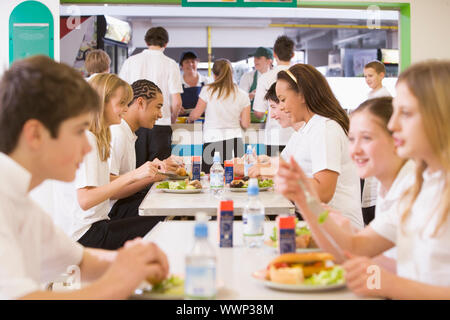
234	265
159	203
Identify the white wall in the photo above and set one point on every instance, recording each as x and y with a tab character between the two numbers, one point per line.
6	7
430	24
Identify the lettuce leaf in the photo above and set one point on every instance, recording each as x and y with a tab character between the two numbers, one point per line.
163	185
327	277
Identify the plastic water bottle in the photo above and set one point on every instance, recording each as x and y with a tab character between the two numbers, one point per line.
216	177
249	160
200	281
253	217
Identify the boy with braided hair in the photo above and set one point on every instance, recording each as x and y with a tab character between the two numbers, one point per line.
143	111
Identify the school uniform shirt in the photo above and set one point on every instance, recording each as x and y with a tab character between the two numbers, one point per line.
92	173
323	145
153	65
387	204
123	152
420	256
33	251
274	134
222	115
247	79
291	146
382	92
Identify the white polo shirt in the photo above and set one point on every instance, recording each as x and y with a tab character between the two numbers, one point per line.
387	204
291	146
274	134
33	251
123	153
153	65
420	257
247	79
382	92
92	173
323	145
222	115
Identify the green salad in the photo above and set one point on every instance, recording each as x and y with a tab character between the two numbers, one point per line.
327	277
265	183
173	285
175	185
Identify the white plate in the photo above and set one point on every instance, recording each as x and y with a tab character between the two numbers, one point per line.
245	189
184	191
260	277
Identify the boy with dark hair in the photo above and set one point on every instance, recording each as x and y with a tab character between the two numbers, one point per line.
276	137
151	64
143	111
45	109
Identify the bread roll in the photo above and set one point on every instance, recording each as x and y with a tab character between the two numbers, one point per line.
286	275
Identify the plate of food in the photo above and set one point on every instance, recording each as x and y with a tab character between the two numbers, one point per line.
171	289
241	185
186	186
302	272
304	241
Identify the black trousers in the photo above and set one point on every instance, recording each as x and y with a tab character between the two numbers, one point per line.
225	148
112	234
153	143
274	150
127	207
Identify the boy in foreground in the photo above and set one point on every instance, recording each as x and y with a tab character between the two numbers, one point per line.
45	109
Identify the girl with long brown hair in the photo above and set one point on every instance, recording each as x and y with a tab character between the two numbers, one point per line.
419	224
227	112
322	144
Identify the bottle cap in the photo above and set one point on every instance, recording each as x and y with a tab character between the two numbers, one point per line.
201	228
228	163
286	222
253	187
249	149
196	159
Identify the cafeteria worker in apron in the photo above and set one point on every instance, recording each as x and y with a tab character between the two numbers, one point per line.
263	59
192	81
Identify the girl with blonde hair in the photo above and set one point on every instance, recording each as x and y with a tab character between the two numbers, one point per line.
227	112
419	225
86	203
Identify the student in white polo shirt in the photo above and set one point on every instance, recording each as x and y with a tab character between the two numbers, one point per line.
45	109
322	148
143	110
151	64
419	224
85	203
227	112
276	137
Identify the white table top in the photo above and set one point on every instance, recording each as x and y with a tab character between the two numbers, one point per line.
159	203
234	265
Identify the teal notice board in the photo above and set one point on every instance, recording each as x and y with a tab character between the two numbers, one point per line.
31	31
